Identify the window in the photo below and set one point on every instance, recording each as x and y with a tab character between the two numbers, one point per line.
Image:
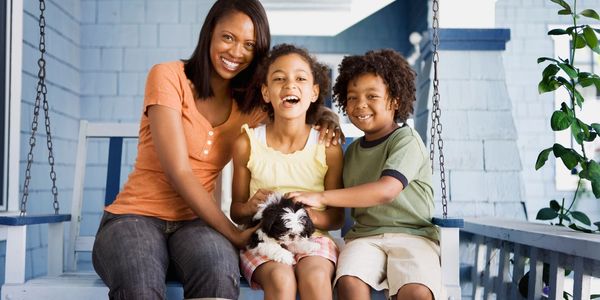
588	61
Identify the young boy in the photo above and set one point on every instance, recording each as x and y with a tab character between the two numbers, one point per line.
387	174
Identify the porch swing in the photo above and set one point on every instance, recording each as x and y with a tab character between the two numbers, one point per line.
63	281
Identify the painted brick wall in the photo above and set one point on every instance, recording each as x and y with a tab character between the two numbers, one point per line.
528	21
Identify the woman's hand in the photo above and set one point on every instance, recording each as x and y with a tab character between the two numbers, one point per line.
312	199
258	198
243	238
328	125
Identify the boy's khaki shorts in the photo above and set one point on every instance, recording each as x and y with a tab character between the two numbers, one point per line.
391	260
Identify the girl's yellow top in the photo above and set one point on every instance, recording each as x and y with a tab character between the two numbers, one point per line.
303	170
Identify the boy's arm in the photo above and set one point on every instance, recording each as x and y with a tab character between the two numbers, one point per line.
332	218
242	208
382	191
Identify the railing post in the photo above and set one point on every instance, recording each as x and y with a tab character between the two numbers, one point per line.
557	277
534	289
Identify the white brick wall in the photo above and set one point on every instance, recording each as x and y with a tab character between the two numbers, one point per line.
481	153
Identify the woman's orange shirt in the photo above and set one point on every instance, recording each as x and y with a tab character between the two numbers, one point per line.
147	190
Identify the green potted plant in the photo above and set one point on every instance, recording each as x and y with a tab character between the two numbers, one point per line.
561	73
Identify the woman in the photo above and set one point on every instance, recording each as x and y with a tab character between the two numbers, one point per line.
166	218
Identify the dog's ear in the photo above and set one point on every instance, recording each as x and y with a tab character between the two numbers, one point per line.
268	220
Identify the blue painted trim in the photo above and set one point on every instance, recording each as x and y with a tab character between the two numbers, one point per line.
113	172
492	39
34	219
448	222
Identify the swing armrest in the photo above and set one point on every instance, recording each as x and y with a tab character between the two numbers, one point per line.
448	222
34	219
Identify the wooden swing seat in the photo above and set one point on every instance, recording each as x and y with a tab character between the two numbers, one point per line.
64	282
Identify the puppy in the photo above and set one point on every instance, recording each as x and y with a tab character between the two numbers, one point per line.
285	230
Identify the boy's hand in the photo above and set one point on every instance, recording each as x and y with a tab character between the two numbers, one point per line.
312	199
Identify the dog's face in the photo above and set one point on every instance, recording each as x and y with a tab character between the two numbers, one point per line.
286	221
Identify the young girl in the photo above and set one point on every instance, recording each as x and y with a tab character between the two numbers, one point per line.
284	155
393	245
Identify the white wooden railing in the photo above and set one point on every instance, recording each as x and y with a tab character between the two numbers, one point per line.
503	251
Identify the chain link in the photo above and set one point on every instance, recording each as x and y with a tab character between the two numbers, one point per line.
436	112
40	100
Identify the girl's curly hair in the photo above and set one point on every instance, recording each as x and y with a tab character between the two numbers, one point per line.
320	74
388	64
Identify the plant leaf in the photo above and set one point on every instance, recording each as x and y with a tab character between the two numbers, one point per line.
546	213
560	120
576	132
590	37
585	82
579	228
548	85
594	177
581	217
580	42
596	127
562	3
554	205
578	97
542	158
590	13
564	12
569	70
568	156
597	225
542	59
550	70
557	32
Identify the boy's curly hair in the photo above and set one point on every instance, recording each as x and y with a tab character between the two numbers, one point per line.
320	74
388	64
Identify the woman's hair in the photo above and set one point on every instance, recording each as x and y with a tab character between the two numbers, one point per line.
198	68
320	73
388	64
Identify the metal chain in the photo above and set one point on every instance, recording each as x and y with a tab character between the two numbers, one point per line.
436	112
41	97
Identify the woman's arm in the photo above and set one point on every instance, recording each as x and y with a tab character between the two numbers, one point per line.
382	191
332	218
169	141
242	208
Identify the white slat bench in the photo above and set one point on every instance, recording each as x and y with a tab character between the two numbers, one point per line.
64	282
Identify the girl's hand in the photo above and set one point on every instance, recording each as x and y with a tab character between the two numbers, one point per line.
328	125
258	198
311	199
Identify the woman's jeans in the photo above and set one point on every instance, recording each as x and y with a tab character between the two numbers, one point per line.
133	253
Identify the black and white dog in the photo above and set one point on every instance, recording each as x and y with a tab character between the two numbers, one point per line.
285	230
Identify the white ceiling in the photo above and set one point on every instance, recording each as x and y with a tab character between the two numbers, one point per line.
318	17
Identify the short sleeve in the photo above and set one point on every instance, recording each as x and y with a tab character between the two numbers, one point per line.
163	87
405	159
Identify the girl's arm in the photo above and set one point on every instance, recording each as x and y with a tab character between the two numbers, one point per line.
242	208
170	144
332	218
382	191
